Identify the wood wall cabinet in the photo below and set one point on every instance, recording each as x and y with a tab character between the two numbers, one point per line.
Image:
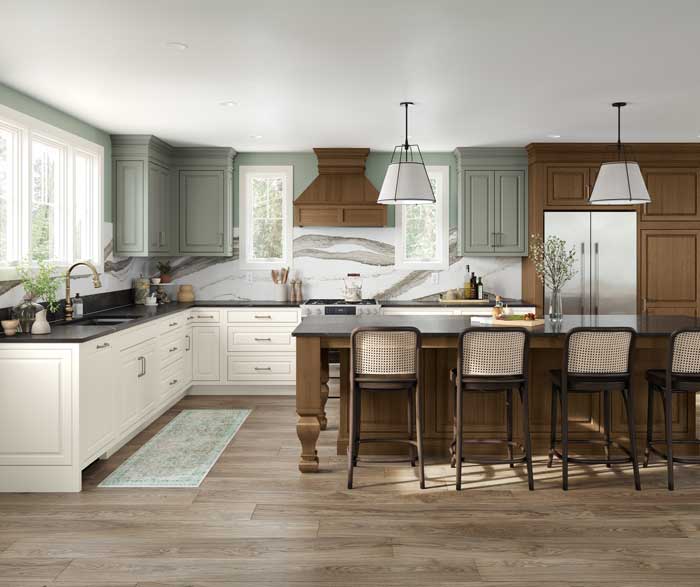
570	185
492	204
561	177
171	200
675	194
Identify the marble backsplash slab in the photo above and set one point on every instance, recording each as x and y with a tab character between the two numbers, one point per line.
322	258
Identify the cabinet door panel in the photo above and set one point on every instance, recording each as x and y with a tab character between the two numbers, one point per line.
568	186
509	212
670	270
130	369
202	209
478	211
97	397
187	369
674	194
130	212
154	204
206	353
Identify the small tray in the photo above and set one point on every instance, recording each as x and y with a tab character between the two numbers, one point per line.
494	322
467	302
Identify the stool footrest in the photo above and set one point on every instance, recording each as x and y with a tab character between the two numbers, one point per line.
683	460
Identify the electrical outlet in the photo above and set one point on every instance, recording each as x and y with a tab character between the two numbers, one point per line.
249	277
435	277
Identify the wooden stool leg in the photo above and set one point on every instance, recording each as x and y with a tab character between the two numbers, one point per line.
650	423
509	416
565	439
629	405
358	423
606	425
419	435
351	440
526	434
668	398
553	425
458	439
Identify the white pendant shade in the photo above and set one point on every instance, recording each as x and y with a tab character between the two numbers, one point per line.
406	182
619	183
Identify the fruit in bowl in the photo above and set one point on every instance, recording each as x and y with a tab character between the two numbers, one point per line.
527	317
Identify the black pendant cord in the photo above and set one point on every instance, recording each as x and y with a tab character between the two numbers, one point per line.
621	149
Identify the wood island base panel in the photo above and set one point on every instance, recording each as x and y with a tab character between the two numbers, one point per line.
484	415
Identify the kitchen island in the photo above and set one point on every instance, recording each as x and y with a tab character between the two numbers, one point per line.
484	416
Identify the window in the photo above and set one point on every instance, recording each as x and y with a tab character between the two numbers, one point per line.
50	194
422	230
265	194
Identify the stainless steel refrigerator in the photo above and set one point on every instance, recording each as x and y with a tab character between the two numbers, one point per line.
606	260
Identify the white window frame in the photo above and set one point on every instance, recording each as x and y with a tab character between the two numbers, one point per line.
442	201
28	128
245	211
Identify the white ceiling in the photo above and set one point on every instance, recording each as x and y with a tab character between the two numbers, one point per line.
309	73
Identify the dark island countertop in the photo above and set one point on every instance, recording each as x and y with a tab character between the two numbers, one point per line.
342	326
513	303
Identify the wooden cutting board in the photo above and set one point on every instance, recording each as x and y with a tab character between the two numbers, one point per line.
494	322
467	302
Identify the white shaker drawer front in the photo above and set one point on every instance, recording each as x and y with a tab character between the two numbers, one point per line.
203	315
172	379
246	338
171	324
264	315
171	348
242	367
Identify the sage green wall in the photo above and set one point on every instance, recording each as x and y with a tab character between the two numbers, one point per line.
305	170
50	115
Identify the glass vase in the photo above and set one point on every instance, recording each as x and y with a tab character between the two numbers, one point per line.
556	313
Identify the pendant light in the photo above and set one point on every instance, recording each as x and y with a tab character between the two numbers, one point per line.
619	182
406	180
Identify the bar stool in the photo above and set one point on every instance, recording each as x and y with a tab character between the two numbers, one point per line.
385	359
596	360
492	359
682	375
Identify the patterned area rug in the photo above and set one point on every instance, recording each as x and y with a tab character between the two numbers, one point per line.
182	453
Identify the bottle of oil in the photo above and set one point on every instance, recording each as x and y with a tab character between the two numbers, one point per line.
473	288
467	286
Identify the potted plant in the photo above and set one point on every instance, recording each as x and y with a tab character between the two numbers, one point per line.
165	271
554	265
39	284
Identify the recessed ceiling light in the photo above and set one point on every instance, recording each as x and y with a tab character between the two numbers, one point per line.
229	103
256	136
177	45
553	136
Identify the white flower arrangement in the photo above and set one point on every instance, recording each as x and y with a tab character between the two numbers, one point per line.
554	264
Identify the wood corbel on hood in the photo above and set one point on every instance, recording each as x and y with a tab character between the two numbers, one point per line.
341	195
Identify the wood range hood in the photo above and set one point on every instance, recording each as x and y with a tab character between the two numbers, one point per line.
341	195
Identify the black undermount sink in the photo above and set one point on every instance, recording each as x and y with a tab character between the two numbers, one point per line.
103	321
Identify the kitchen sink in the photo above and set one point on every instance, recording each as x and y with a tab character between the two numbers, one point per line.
104	321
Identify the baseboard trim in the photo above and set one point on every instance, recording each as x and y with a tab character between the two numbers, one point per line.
273	389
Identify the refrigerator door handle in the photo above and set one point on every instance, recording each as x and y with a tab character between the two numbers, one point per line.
596	264
583	278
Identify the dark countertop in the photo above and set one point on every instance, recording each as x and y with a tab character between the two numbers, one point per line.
342	326
438	304
244	304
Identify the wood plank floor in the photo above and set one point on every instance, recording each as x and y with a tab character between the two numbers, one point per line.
256	520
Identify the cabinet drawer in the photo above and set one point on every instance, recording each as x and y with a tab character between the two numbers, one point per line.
246	338
204	316
264	315
172	379
171	324
171	348
250	367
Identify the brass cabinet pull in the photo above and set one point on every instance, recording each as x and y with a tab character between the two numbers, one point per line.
102	346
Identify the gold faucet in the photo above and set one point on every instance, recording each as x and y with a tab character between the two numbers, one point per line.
95	280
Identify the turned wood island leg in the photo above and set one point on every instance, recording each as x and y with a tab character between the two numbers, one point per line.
309	400
322	420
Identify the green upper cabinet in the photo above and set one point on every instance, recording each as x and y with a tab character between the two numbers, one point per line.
142	195
171	201
492	204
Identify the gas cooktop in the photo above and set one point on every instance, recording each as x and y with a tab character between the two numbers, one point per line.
338	302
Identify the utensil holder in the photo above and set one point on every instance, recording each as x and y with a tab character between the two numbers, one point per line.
280	292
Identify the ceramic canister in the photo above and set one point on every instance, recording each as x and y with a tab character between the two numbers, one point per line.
185	293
